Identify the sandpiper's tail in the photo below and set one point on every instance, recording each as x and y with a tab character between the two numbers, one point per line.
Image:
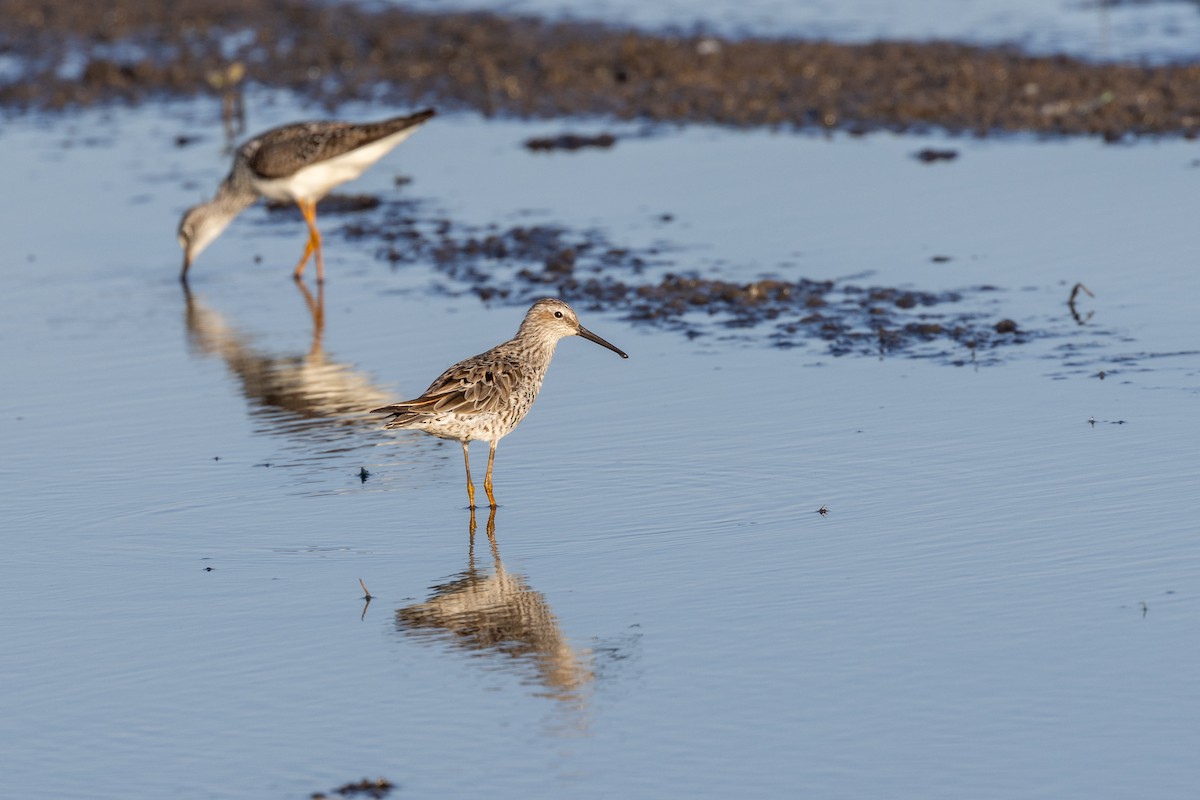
402	414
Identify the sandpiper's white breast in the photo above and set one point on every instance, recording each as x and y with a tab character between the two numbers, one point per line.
486	427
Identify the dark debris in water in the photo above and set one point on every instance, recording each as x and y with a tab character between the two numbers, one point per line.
64	53
374	789
929	155
517	264
1006	326
570	141
331	204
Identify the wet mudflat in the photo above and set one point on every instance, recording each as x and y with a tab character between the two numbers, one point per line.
1000	600
1155	31
67	54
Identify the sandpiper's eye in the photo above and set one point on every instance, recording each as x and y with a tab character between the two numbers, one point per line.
558	314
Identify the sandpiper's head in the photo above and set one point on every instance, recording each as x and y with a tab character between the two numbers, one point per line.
199	226
554	319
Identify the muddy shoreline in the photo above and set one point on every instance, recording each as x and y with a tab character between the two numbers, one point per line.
68	54
518	264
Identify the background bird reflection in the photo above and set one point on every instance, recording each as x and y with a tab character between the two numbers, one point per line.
307	395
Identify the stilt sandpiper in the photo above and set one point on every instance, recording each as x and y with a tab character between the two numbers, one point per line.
301	163
484	397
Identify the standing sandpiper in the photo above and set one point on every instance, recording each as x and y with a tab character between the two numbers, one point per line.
301	163
484	397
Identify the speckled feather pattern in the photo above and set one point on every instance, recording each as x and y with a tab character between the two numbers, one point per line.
484	397
479	399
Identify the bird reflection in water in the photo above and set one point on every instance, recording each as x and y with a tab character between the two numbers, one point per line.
307	394
495	613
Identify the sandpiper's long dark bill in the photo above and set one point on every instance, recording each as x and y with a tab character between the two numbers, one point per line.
485	397
591	337
300	163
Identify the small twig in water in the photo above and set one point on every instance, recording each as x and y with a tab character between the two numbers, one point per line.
367	597
1079	287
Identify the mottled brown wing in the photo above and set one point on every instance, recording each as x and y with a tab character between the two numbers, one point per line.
478	385
283	151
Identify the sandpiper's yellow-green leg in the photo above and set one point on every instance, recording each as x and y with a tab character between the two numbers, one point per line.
487	479
470	486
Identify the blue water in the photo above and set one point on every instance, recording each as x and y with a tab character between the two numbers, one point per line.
1000	602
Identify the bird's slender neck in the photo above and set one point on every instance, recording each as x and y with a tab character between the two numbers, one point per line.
236	192
532	338
535	349
231	199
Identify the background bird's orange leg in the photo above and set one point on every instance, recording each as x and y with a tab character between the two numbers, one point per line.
309	209
487	479
470	486
308	248
316	234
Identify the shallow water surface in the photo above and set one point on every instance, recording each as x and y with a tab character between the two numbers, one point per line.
1001	600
